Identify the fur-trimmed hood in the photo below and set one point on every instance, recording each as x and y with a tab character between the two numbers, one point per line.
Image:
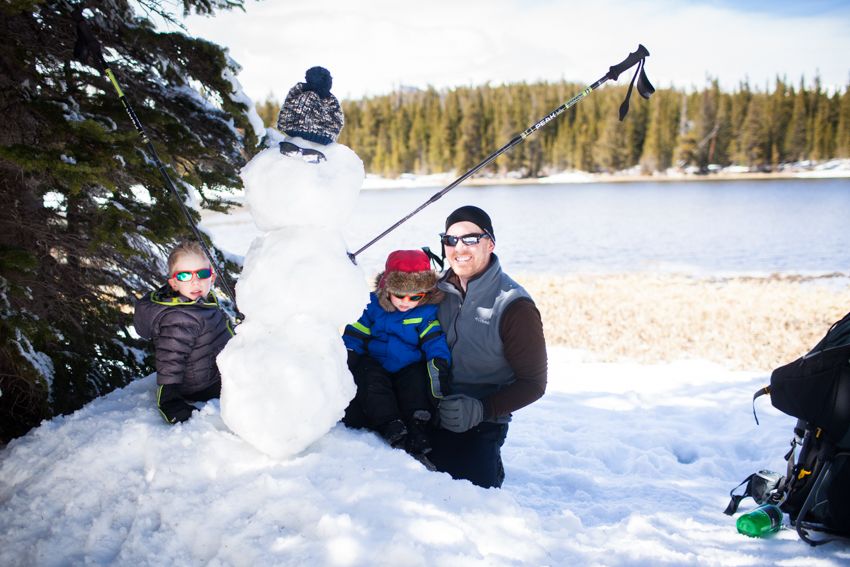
407	282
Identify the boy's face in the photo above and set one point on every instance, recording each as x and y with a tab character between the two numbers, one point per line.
407	302
194	287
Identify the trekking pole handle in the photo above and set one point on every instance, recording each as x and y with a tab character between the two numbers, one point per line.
614	71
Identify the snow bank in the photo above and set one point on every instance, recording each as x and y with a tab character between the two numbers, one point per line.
619	464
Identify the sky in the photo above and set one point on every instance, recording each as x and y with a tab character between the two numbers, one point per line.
374	47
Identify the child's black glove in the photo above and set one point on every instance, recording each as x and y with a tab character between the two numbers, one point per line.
171	404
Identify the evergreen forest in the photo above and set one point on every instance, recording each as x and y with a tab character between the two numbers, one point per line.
431	131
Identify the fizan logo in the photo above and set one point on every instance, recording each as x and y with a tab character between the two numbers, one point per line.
483	315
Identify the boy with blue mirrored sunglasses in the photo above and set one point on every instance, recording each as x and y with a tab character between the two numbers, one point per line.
188	330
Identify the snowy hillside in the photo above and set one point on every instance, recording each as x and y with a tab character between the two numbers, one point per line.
619	464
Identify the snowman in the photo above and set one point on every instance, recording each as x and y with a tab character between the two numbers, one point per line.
285	381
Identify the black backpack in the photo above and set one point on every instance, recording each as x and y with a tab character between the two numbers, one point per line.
815	490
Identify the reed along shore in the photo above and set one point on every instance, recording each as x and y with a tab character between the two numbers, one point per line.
752	323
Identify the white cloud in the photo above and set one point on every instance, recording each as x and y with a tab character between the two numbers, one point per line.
373	47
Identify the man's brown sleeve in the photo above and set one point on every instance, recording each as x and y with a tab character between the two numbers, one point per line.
524	347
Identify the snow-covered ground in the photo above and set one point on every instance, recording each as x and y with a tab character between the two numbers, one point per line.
619	464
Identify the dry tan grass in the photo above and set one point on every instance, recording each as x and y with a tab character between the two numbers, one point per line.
747	322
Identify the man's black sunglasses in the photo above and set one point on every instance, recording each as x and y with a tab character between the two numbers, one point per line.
467	239
307	154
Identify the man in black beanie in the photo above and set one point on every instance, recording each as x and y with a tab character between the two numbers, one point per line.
499	360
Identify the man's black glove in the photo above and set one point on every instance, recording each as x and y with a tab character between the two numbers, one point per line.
439	377
171	404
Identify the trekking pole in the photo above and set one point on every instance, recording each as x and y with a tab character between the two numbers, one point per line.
88	47
645	89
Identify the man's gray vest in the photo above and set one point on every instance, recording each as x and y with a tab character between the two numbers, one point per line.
471	325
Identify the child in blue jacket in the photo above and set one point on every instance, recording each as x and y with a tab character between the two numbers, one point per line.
398	354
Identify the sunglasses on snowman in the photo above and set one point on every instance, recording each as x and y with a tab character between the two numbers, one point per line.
202	274
309	155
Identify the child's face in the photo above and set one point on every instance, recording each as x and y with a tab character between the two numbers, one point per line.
407	302
195	287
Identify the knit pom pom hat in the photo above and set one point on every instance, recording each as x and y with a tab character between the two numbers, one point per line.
310	111
407	272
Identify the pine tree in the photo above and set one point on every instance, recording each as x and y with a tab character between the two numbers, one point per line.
796	147
842	137
611	151
708	125
468	148
780	111
719	151
738	112
823	126
86	217
662	126
417	138
636	125
436	133
686	140
754	146
515	121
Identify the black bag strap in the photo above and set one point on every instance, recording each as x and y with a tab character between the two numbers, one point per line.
807	506
760	392
735	500
784	484
790	459
799	466
435	260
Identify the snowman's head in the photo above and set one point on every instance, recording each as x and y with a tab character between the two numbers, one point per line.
301	183
305	178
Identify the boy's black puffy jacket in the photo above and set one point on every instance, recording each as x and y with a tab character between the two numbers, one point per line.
187	336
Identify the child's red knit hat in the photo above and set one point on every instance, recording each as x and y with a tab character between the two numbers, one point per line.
407	261
406	271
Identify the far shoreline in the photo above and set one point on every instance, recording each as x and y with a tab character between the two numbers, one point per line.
438	180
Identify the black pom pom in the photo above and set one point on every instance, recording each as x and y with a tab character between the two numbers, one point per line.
319	81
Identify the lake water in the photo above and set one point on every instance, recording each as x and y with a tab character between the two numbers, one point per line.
710	227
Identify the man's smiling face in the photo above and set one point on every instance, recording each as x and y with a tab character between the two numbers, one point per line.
468	261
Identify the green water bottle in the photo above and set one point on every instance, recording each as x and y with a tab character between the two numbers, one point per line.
761	522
